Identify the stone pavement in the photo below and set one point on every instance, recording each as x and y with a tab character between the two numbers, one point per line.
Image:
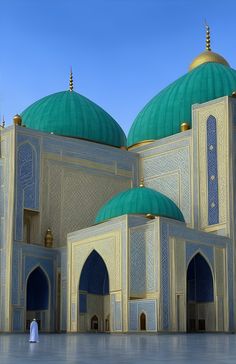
130	348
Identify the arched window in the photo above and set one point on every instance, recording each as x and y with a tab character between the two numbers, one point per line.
143	321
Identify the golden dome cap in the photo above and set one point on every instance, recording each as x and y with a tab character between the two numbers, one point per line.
17	120
207	55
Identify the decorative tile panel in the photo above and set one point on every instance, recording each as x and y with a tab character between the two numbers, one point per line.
27	179
72	198
17	319
169	173
165	283
136	307
142	270
192	249
118	316
213	204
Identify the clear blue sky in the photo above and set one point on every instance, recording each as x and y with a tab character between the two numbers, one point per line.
123	52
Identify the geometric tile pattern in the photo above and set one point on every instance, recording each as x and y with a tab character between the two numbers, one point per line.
165	276
169	173
213	204
27	178
136	307
118	323
142	270
207	251
72	197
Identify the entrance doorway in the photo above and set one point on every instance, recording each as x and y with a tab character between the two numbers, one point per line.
37	299
143	321
200	295
94	323
94	299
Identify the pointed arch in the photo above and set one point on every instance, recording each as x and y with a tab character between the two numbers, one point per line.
37	290
143	321
94	322
200	286
94	276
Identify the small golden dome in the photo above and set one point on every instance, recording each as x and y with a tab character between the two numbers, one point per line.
207	56
17	119
184	126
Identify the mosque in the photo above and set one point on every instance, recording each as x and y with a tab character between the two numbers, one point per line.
108	234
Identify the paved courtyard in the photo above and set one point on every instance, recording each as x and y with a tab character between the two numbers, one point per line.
105	348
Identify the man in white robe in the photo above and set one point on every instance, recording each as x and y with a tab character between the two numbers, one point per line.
34	332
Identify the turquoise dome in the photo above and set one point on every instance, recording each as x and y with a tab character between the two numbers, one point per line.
164	114
70	114
139	200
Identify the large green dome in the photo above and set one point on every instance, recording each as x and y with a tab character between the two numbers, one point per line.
70	114
164	114
139	200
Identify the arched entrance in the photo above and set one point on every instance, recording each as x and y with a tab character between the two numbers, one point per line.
94	299
200	296
94	323
37	299
143	321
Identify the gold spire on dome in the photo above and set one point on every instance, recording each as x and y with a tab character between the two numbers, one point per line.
208	38
71	80
207	55
141	182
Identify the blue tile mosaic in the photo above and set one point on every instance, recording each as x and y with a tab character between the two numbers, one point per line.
165	276
27	178
213	202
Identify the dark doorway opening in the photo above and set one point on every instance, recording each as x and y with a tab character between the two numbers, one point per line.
143	321
200	292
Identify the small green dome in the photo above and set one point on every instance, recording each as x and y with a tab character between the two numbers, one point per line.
70	114
139	200
164	114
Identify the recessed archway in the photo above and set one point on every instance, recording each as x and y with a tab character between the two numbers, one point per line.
37	298
94	300
143	322
200	295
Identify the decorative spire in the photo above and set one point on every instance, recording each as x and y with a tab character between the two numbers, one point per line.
71	80
208	38
3	122
141	182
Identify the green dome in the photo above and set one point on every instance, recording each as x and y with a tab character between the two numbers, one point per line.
139	200
164	114
70	114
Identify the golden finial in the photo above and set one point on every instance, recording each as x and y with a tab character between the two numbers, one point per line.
208	38
184	126
17	120
141	182
71	80
48	239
